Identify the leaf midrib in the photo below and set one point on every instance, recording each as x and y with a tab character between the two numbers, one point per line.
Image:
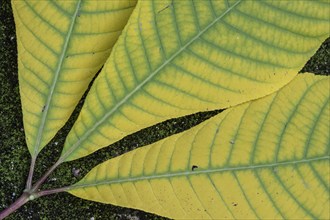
137	88
55	80
197	172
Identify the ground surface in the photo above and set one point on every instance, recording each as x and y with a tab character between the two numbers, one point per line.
14	156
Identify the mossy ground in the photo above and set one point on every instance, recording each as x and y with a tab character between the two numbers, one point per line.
15	158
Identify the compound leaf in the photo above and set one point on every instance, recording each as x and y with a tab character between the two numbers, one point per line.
265	159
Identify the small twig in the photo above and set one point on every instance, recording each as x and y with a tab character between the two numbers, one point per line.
169	5
16	205
31	192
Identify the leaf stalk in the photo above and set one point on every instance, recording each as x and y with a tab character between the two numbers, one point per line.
30	176
51	191
36	186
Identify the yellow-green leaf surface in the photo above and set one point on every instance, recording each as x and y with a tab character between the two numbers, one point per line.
179	57
266	159
61	45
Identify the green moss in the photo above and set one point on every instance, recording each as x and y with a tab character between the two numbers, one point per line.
14	156
320	62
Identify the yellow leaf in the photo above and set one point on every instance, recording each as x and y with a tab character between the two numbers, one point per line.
179	57
61	45
265	159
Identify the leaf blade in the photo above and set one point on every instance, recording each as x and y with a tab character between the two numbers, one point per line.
155	73
230	166
50	51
